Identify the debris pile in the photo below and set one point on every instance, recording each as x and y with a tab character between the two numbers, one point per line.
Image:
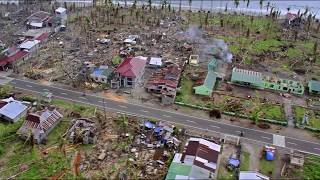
82	131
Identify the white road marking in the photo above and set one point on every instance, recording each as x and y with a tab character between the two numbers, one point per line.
144	111
82	97
292	143
265	137
215	126
279	140
238	131
29	85
100	101
13	82
317	149
45	89
122	106
190	121
64	93
166	115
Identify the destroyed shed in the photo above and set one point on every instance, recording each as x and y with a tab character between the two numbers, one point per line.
198	160
82	130
12	110
39	19
39	124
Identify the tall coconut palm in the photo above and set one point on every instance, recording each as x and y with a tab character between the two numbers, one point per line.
315	48
180	3
236	3
248	3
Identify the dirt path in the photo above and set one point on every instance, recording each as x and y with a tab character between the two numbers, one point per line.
288	111
254	156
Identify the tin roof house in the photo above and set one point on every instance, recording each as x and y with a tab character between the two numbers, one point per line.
12	110
40	124
199	160
314	87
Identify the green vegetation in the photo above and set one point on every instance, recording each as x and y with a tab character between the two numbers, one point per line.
310	170
5	90
8	129
314	120
56	134
266	45
224	174
84	110
271	111
245	159
267	167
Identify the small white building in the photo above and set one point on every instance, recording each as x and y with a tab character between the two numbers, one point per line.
102	74
12	110
61	13
155	62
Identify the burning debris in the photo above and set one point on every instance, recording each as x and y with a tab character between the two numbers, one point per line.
82	131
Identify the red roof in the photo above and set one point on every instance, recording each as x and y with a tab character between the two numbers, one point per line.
131	67
291	16
8	59
43	36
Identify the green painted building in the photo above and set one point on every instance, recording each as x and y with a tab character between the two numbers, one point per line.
258	80
314	87
207	87
247	78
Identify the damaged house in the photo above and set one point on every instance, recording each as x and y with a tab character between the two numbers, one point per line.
82	131
40	124
102	74
165	82
129	72
39	19
199	160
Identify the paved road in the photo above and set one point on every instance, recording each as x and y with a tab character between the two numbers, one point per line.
170	116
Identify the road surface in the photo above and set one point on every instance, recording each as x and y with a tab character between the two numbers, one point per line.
171	116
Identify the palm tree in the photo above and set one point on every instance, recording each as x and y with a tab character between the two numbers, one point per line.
150	5
248	2
261	5
315	48
180	2
236	3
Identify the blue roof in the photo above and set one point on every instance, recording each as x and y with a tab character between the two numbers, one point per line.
149	124
234	162
98	72
158	129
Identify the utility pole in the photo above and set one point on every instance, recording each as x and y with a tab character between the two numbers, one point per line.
104	109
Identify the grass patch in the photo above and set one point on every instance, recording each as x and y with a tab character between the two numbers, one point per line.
314	120
266	45
267	167
8	129
245	159
224	174
185	91
293	53
310	170
84	110
58	131
271	111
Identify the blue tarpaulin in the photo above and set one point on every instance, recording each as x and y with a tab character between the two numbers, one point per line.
158	129
149	124
234	162
269	156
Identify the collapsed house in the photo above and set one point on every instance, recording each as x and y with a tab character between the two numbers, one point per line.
39	19
258	80
129	72
165	82
209	83
39	124
199	160
82	131
12	110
